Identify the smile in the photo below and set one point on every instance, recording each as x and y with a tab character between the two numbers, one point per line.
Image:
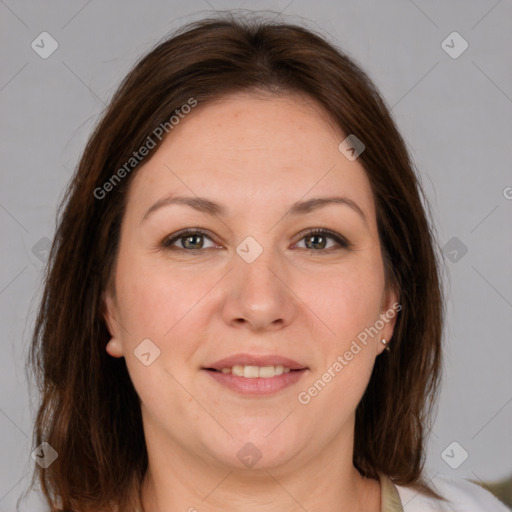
252	372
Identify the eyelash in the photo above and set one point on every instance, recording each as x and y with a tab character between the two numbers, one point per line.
341	241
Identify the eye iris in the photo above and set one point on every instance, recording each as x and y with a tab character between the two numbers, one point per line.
191	237
195	240
315	236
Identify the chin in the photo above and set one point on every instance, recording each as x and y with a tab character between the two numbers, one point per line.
258	448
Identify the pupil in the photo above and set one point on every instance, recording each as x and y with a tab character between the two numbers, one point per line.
316	237
308	244
191	237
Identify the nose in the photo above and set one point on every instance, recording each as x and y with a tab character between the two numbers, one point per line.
258	295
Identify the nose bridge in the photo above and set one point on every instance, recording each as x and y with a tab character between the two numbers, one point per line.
256	291
258	276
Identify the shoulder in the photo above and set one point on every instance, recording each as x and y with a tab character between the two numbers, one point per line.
462	496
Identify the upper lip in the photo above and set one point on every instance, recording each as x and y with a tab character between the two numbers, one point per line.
255	360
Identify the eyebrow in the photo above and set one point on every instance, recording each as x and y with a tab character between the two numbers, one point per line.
204	205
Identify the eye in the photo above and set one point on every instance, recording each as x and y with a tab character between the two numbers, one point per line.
317	240
188	240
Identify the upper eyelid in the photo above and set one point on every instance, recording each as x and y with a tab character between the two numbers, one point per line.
173	238
182	233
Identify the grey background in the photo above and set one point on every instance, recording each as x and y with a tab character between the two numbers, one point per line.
455	114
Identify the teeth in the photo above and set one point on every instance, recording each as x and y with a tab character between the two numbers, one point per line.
252	372
264	371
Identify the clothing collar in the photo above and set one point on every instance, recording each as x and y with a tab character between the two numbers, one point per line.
390	499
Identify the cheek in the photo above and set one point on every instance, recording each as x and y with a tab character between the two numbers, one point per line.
155	298
345	366
348	301
159	304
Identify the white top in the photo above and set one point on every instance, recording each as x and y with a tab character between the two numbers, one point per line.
463	496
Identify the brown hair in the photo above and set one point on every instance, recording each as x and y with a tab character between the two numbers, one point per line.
90	411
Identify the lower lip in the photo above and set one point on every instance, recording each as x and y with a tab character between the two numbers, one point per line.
259	385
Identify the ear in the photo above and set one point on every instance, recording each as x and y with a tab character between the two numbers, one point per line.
389	310
114	347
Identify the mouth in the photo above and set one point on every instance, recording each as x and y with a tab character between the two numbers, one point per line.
254	372
256	375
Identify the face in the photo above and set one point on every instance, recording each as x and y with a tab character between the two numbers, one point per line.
254	285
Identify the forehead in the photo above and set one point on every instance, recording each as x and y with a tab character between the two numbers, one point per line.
284	126
254	149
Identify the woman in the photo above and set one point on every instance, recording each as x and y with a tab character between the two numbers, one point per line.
243	239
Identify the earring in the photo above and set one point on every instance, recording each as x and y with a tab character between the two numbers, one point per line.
384	342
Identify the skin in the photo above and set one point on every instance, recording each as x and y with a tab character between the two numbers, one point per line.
256	156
